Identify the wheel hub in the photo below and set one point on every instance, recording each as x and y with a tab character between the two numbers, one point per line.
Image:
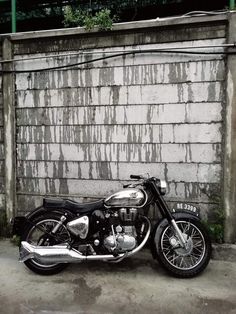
180	250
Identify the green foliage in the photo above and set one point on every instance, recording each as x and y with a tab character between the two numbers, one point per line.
216	226
78	17
89	22
216	232
73	17
16	240
104	20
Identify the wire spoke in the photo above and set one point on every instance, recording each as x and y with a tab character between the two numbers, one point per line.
186	228
197	244
184	258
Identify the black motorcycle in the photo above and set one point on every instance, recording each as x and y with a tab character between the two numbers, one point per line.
63	231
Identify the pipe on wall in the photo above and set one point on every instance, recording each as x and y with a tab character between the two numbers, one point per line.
231	4
13	16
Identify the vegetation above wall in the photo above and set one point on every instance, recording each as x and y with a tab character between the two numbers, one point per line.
49	14
78	17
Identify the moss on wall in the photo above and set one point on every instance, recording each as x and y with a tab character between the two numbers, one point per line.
4	225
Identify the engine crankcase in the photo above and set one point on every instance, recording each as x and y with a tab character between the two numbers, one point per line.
122	243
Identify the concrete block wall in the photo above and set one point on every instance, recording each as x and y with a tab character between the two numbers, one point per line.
81	131
2	183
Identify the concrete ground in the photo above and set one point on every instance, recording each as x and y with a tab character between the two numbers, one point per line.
136	285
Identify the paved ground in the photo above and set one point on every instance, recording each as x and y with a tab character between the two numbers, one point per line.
136	285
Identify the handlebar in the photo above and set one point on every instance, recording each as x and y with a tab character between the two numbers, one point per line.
136	177
157	186
144	178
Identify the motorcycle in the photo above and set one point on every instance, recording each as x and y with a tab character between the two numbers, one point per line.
63	231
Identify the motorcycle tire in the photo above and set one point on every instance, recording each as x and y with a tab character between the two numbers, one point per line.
183	262
36	236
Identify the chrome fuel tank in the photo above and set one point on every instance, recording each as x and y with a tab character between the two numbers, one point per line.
127	198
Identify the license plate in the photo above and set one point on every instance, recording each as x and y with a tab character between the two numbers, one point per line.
186	207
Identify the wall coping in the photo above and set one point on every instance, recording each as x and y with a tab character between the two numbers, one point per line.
119	27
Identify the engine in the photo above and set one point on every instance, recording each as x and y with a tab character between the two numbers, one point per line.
122	237
113	229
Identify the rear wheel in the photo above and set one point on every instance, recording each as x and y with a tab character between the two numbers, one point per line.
183	262
39	234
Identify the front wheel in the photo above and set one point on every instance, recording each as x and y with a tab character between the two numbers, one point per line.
188	261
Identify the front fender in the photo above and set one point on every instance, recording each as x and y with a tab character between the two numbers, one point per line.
164	222
182	214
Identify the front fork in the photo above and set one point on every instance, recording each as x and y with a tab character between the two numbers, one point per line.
179	234
165	211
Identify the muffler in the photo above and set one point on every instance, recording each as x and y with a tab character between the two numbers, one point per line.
49	254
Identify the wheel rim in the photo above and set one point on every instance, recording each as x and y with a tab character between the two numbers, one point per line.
37	233
183	258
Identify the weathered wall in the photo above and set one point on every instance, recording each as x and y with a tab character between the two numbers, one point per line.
81	131
2	198
78	132
230	140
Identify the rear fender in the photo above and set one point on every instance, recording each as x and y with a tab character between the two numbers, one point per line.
19	223
164	222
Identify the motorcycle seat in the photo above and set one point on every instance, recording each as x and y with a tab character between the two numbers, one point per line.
73	206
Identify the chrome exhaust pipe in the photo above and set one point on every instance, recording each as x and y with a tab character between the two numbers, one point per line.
49	254
62	254
57	254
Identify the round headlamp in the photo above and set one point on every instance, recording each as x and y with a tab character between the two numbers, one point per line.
162	187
